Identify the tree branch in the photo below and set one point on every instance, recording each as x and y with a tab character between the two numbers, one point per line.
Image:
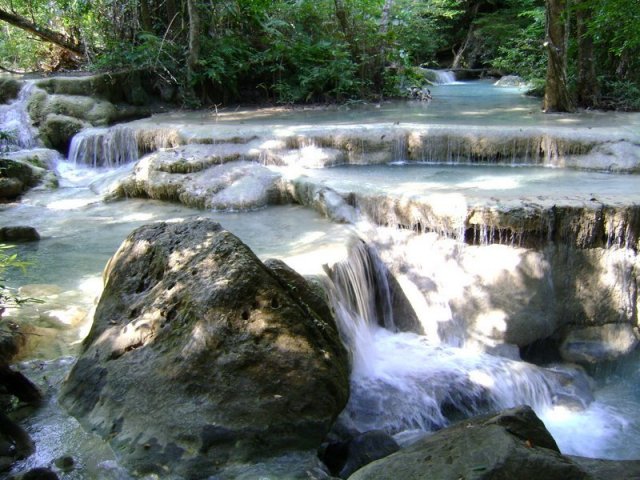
44	33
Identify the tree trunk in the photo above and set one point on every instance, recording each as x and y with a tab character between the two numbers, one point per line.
556	94
384	27
43	33
588	93
457	58
341	14
194	41
145	16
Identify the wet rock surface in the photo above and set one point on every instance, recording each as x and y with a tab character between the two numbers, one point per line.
511	444
208	183
201	356
9	89
17	176
344	458
19	233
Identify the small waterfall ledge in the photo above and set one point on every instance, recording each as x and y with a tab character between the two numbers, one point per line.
436	382
602	149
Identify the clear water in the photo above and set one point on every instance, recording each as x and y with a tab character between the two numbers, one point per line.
491	184
467	103
395	373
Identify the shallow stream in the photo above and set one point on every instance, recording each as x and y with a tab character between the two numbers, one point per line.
399	379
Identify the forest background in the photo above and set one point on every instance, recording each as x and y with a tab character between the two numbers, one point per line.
580	53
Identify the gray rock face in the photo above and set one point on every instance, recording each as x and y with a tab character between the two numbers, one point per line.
200	355
513	444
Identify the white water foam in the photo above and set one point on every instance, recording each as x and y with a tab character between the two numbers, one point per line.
445	77
104	147
405	382
15	121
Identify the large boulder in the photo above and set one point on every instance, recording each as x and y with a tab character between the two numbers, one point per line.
201	356
511	444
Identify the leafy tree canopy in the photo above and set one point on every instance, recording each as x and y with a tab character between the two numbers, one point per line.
321	50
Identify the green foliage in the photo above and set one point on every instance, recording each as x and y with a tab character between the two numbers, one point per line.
18	52
421	30
323	50
8	296
620	94
523	52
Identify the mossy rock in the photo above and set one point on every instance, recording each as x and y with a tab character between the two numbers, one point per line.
96	112
19	234
38	157
36	105
9	89
57	130
429	76
10	188
123	87
17	176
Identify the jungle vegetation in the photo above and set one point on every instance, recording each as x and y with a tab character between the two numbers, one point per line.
581	53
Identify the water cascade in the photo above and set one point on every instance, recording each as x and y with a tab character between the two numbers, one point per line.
444	77
475	248
15	121
410	384
104	147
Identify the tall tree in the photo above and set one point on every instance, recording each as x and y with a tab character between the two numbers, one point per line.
194	40
556	93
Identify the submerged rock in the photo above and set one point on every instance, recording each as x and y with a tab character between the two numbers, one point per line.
201	356
19	233
511	444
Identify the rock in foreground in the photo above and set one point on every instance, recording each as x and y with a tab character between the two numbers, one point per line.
201	356
512	444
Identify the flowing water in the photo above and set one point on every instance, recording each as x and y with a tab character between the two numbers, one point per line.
409	384
406	382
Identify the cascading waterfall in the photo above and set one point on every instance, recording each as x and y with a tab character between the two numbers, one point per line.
444	77
104	147
404	381
15	122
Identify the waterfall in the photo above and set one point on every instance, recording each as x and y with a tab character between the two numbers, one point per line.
15	122
104	147
362	298
444	76
403	381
